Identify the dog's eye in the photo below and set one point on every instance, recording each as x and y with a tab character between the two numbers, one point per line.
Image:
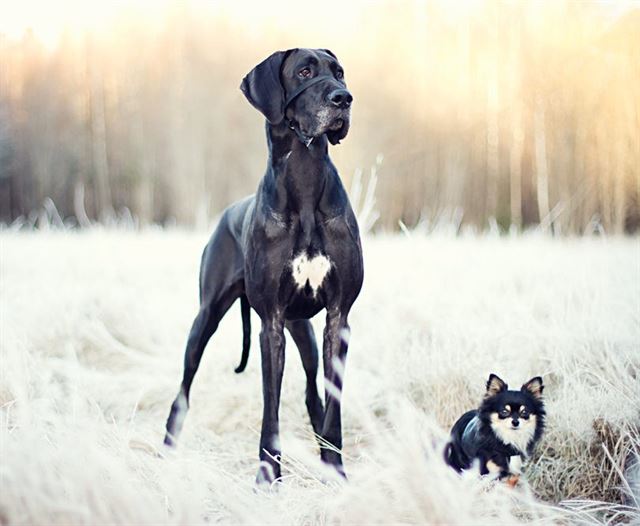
504	413
339	74
304	72
524	413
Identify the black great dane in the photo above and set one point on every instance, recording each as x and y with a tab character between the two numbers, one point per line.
290	251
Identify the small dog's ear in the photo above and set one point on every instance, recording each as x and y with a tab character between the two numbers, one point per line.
263	88
534	387
495	385
330	53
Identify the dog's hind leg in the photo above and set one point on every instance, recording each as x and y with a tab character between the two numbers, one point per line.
303	336
221	283
203	327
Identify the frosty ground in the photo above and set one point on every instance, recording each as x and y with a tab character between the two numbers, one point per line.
93	326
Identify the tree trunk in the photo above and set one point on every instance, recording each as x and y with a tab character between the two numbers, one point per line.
542	171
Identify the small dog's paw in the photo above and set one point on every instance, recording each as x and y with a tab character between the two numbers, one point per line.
512	480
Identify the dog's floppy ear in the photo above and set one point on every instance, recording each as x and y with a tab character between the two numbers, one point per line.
495	385
330	53
263	88
534	387
335	136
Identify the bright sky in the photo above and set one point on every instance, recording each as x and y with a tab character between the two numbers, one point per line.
49	18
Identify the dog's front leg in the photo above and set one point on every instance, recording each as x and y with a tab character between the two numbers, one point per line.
272	349
336	338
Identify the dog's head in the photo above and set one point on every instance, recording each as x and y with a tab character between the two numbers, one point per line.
515	417
305	87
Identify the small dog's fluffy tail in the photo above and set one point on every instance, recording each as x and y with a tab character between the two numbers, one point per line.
452	456
245	309
448	450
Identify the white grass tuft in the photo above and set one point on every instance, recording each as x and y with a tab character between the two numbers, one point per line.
93	326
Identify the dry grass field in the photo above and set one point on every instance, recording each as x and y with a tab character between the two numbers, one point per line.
93	326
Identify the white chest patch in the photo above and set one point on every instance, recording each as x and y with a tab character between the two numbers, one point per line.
312	271
517	437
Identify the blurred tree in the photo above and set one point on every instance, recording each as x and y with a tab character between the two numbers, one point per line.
511	113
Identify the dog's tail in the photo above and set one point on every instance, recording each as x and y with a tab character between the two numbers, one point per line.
448	453
245	309
452	457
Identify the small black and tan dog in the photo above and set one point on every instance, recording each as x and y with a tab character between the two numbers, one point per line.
501	433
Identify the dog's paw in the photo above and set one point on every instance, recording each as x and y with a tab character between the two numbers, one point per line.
268	476
170	441
340	472
512	480
333	473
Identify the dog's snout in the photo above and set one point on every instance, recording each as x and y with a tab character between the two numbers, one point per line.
340	98
515	422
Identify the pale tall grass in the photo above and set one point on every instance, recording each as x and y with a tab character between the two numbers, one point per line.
93	325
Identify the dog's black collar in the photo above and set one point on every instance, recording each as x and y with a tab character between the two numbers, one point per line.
304	86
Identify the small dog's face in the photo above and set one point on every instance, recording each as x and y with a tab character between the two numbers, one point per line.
515	416
324	107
